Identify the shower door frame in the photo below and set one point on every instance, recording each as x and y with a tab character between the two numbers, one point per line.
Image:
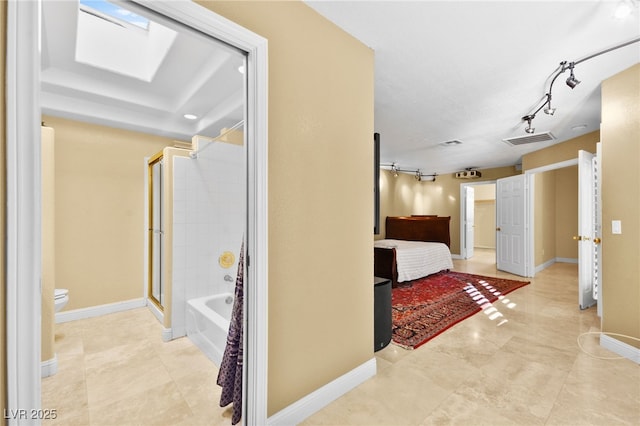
23	222
152	256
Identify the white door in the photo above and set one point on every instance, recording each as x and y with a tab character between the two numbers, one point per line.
469	221
588	234
511	221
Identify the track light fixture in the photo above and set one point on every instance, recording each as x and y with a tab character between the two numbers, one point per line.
571	81
528	119
418	175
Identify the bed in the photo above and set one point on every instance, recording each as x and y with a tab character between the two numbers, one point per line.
414	247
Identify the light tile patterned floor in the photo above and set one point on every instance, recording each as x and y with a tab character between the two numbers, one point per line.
527	371
115	370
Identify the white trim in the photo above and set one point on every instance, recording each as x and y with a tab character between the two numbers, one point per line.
306	406
566	260
49	367
23	257
456	256
621	348
96	311
554	166
23	198
167	334
463	212
543	266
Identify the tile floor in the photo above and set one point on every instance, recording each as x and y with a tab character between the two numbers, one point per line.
527	371
115	370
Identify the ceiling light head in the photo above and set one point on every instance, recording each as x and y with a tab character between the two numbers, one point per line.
418	175
528	119
572	81
394	170
190	116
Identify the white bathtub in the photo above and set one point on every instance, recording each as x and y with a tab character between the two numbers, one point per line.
208	324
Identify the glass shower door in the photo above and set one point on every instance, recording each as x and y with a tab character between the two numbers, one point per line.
156	231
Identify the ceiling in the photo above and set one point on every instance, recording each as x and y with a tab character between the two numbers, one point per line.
186	73
444	71
469	71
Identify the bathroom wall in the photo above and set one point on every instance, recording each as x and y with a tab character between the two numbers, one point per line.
99	227
209	218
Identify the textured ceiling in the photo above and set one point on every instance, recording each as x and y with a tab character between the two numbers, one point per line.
469	71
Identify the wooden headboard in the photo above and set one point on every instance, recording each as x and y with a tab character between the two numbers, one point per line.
419	228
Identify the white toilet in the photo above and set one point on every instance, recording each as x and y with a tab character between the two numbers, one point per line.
61	298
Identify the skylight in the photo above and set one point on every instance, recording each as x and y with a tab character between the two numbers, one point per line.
113	13
117	40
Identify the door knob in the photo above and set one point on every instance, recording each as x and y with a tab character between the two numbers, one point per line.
577	237
597	240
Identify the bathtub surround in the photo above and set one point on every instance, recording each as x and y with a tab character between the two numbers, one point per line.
207	217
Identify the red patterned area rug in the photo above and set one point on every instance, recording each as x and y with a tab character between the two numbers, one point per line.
426	307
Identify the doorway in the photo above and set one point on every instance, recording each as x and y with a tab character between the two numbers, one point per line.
478	218
23	222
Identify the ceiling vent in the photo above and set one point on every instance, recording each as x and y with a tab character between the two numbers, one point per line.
523	140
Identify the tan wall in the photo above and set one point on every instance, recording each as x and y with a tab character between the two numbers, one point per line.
320	203
485	224
48	243
100	211
485	216
544	212
561	152
3	200
621	201
403	195
566	214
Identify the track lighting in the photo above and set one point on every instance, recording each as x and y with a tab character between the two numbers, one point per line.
528	119
549	110
417	174
571	81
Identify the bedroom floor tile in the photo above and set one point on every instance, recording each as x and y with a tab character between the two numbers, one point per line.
529	370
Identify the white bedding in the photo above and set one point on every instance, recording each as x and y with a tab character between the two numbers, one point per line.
417	259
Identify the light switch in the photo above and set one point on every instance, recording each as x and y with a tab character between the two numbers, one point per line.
616	227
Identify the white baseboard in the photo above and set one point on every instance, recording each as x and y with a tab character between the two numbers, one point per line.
554	260
566	260
167	334
620	348
456	256
95	311
49	367
303	408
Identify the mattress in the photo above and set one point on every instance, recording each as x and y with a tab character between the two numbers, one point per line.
417	259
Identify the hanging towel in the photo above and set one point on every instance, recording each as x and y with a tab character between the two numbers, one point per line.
230	374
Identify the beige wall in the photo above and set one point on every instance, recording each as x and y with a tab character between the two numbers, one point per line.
485	216
320	202
621	201
566	214
3	200
561	152
544	212
48	243
99	211
404	195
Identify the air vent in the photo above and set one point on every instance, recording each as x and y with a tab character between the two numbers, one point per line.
523	140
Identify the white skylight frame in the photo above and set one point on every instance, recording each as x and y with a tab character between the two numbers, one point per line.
100	36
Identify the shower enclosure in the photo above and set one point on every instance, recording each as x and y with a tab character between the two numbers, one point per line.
155	232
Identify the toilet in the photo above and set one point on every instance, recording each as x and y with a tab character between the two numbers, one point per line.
61	297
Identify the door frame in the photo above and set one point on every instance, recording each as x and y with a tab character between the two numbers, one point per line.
530	177
23	205
463	212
